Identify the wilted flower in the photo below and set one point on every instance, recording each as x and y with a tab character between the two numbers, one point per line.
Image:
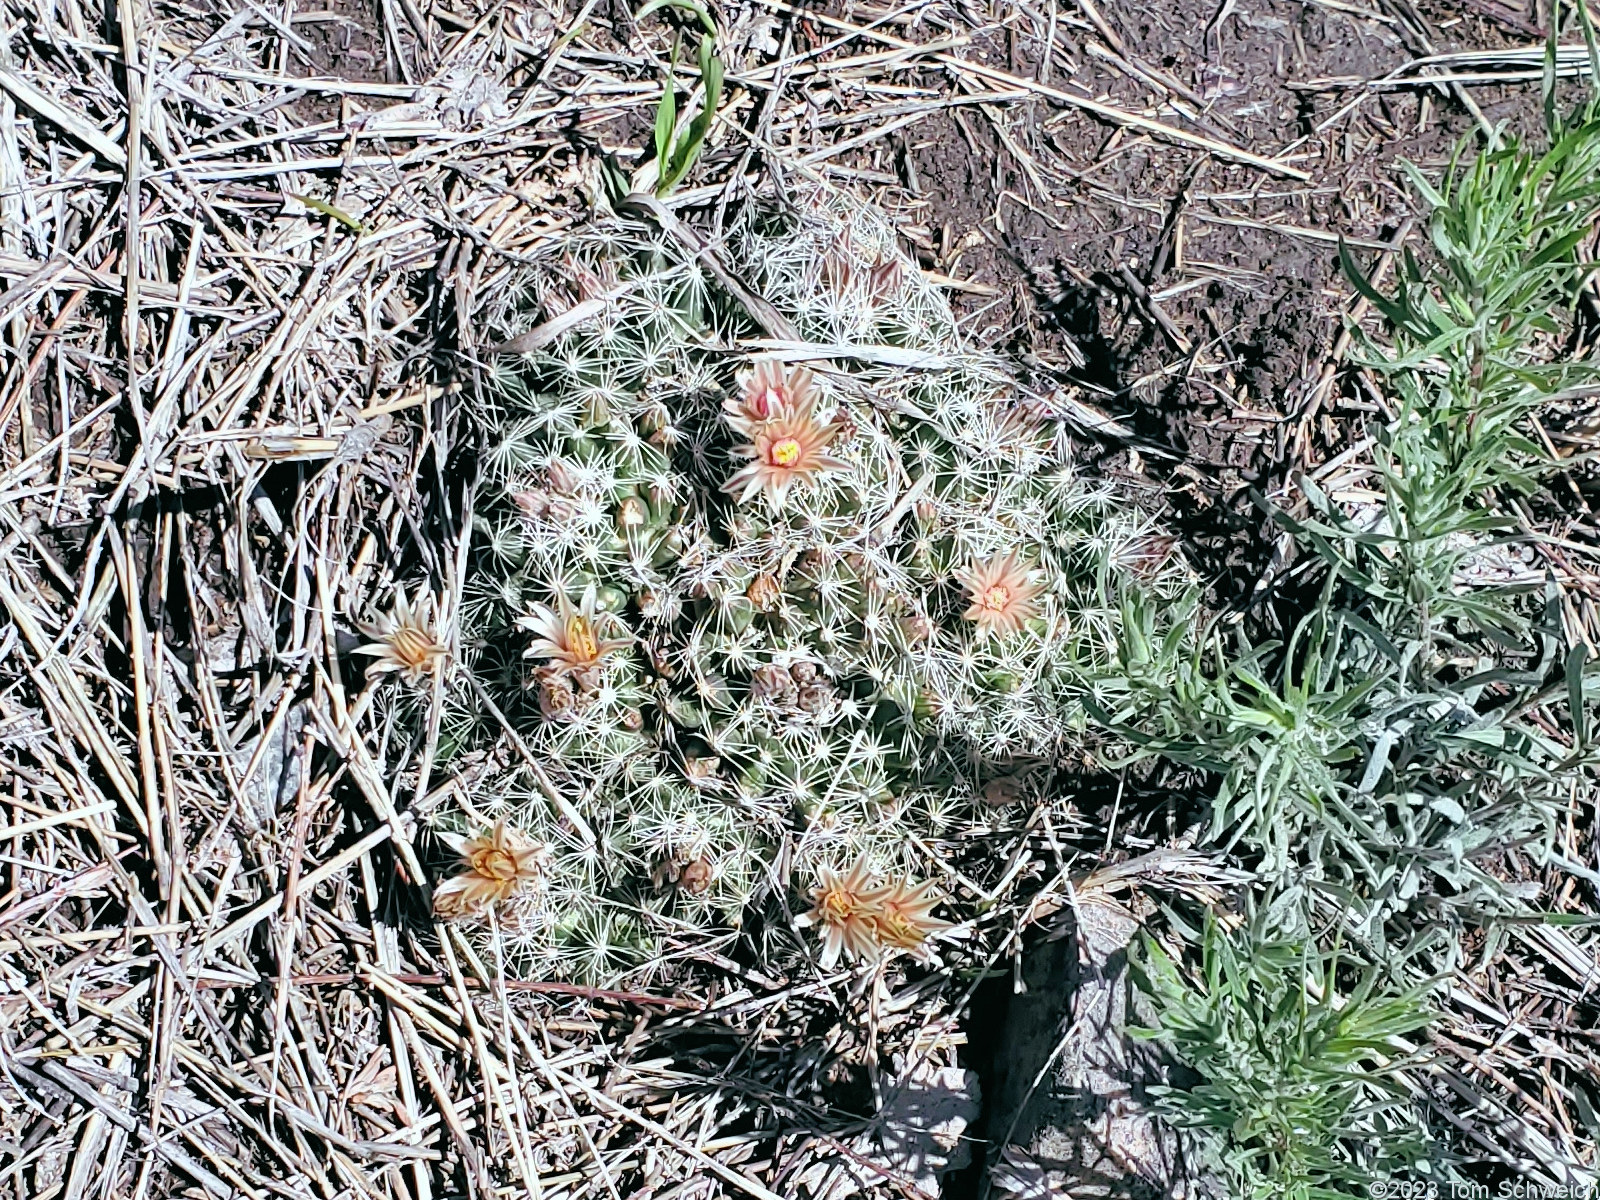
631	513
772	682
811	692
838	262
405	641
660	659
842	268
666	871
657	605
554	499
557	696
696	876
1022	421
560	477
702	772
567	636
1002	596
765	393
846	908
764	593
816	696
885	278
785	450
495	867
693	876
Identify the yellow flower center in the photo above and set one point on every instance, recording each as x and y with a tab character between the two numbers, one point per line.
996	598
895	930
837	906
413	647
785	452
494	863
582	645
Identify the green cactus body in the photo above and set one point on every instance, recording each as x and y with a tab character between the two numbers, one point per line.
791	659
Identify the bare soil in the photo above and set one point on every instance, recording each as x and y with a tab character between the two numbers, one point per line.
1242	294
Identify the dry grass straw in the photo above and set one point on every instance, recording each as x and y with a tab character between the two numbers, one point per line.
219	452
221	448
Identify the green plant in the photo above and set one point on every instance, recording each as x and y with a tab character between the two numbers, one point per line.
1427	712
1426	725
1344	763
1476	351
1301	1060
675	154
1278	746
757	620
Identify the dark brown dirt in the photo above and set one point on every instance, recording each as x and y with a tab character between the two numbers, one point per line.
344	40
1250	312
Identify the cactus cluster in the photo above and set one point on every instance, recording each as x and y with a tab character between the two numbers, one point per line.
763	610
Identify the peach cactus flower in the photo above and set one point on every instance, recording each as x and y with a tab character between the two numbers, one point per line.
863	918
405	641
1003	598
568	636
787	449
765	392
905	920
496	866
845	910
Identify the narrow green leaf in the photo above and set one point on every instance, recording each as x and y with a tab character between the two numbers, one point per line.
1358	280
1576	657
338	214
666	118
684	154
